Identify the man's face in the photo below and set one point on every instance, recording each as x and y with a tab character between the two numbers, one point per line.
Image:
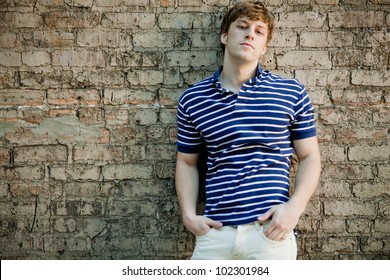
246	39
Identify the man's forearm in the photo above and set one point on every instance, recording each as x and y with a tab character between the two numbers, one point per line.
306	180
187	187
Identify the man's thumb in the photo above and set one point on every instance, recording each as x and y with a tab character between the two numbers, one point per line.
265	216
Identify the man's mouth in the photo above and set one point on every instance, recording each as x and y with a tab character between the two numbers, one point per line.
247	44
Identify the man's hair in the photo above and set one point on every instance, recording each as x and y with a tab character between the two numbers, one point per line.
254	10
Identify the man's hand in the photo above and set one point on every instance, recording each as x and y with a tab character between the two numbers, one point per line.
200	225
284	218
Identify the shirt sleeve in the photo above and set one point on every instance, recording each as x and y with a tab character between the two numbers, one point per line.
189	139
303	125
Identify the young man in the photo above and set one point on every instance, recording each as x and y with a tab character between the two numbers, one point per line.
251	122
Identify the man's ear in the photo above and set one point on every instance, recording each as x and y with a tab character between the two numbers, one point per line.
224	38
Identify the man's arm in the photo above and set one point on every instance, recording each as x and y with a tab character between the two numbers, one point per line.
187	188
285	216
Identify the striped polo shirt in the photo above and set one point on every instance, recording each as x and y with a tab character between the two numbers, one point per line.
248	137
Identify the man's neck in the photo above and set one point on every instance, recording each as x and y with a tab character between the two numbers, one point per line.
234	75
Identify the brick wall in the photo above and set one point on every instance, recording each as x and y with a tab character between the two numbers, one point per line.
88	95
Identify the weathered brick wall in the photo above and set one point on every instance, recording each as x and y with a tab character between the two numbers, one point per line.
88	95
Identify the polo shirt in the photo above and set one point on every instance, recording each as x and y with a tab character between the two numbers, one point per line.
248	137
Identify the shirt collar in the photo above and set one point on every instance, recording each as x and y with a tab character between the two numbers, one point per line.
217	84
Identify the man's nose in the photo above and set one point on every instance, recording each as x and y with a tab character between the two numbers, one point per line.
250	34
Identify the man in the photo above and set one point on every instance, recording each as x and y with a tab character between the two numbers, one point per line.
251	122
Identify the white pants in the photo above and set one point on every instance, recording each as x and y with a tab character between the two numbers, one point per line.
244	242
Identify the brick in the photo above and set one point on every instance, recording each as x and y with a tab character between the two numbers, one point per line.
3	190
21	97
326	39
348	208
105	3
134	153
190	3
350	171
333	153
97	154
31	189
370	190
84	207
199	40
298	2
44	78
384	171
91	116
331	78
165	170
169	96
373	245
51	39
157	39
72	19
184	21
373	77
128	244
384	208
194	58
168	116
26	20
382	116
327	2
37	154
137	190
161	152
75	172
128	208
145	117
5	155
107	38
343	244
356	19
87	189
332	116
334	189
318	59
357	97
100	77
73	97
78	58
361	226
146	77
129	20
220	3
7	40
79	3
36	58
382	225
10	59
371	153
127	171
64	225
380	2
333	226
319	96
310	20
357	135
9	115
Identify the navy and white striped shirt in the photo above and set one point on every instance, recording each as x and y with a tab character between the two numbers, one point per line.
248	137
